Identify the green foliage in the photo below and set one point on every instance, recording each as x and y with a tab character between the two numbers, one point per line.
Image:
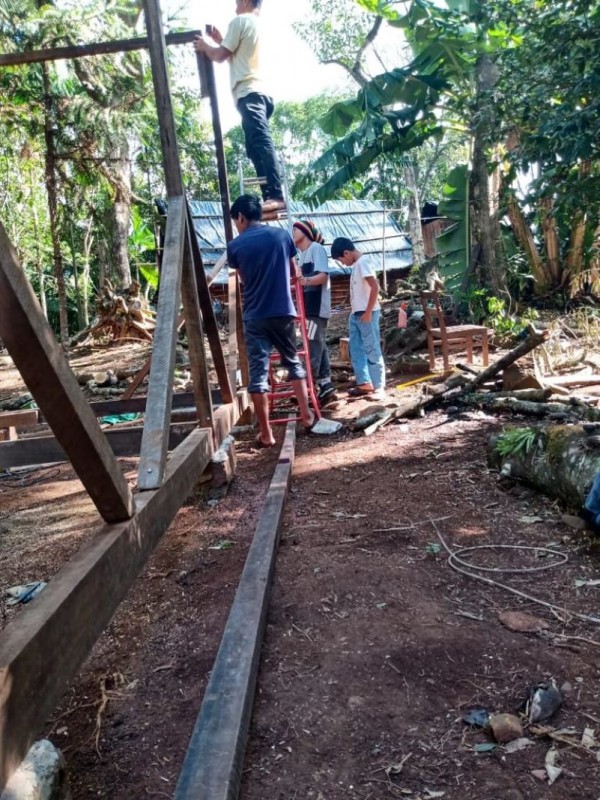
516	441
454	243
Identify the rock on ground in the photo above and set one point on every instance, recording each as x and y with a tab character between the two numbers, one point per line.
41	776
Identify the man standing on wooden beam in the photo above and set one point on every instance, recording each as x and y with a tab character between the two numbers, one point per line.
241	47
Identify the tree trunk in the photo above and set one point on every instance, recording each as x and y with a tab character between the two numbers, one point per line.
574	263
485	224
561	463
51	188
120	170
414	217
524	237
551	242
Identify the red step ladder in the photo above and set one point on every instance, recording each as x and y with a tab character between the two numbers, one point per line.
281	391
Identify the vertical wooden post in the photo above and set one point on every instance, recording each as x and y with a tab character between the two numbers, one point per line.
236	335
154	471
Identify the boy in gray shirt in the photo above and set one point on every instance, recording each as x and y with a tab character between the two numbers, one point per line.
316	283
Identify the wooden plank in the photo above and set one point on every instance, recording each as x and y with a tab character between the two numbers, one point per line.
195	335
19	419
44	368
164	101
213	764
206	68
42	649
85	50
208	316
105	408
47	450
153	456
8	435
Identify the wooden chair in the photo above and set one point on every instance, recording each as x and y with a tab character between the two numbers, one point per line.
466	336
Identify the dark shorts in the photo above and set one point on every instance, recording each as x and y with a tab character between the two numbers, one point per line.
262	335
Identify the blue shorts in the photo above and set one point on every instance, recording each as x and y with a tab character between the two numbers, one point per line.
262	335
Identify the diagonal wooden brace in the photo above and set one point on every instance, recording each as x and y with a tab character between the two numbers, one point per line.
44	368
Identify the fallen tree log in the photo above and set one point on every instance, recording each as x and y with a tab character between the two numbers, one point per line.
561	462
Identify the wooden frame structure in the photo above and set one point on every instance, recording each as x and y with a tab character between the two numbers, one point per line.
44	646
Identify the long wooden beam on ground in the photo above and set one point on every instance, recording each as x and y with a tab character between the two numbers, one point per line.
44	646
44	368
213	764
47	450
85	50
153	456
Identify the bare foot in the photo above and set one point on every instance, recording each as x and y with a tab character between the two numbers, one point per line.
273	205
260	442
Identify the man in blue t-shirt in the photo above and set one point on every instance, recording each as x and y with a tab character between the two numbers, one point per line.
264	258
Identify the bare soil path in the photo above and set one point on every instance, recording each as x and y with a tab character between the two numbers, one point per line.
375	648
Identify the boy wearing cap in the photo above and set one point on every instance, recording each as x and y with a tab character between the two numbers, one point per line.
241	47
365	343
316	288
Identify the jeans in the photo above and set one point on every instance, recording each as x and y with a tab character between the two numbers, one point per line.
256	110
262	335
316	328
365	350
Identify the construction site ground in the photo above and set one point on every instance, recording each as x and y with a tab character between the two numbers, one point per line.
375	648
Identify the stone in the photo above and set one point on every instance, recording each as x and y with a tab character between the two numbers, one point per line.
521	622
573	521
505	727
516	376
41	776
221	471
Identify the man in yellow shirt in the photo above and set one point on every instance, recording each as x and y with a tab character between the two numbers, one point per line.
241	47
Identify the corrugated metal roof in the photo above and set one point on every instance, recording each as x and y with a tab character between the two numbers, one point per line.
359	220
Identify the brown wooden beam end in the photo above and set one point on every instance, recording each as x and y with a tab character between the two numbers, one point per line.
19	419
44	368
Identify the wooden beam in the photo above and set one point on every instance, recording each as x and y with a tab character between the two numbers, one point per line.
47	450
195	334
213	764
19	419
153	457
44	368
42	649
94	49
105	408
236	345
208	316
164	101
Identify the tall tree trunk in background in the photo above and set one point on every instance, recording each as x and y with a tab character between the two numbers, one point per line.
551	240
524	237
39	262
485	223
51	189
414	216
574	263
85	274
120	213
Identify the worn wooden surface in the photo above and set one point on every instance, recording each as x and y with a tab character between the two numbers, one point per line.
213	764
42	648
153	456
47	449
44	368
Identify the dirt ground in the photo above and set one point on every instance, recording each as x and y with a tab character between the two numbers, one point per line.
375	647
